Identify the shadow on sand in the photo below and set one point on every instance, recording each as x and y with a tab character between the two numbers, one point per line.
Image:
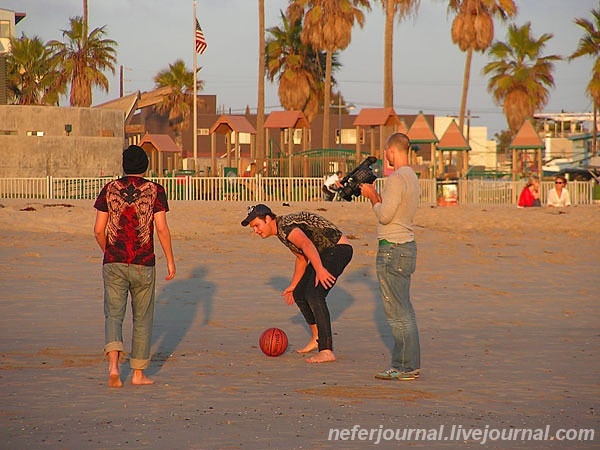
371	285
338	300
175	311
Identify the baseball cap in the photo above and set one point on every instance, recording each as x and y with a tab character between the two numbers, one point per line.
259	210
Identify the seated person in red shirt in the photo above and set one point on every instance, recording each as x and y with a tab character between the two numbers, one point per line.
530	195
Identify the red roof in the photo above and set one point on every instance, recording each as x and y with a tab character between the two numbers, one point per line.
420	131
453	139
402	128
161	142
227	124
376	116
526	138
286	119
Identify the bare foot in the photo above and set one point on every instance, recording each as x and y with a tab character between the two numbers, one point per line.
141	380
310	347
114	381
322	357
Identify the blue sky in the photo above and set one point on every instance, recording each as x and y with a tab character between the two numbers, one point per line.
428	68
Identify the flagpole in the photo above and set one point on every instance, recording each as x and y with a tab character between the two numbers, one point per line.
195	119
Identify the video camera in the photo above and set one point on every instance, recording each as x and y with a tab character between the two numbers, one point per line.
363	173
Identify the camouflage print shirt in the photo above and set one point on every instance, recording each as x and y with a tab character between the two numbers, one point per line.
319	230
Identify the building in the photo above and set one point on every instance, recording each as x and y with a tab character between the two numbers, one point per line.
8	21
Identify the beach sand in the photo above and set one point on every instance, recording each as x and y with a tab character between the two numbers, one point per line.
506	302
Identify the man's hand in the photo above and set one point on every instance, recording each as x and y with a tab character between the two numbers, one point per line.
325	278
369	191
288	295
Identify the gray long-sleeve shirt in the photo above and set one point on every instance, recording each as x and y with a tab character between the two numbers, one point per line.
399	201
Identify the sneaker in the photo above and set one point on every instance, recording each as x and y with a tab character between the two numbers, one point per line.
394	374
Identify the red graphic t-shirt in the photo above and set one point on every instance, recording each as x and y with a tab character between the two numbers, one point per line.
131	203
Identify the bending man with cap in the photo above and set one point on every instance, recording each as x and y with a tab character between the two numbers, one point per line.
322	252
128	210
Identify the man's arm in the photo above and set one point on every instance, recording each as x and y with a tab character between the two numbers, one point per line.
299	268
384	208
164	236
100	229
301	240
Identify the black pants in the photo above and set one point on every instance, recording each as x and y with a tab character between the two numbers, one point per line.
328	196
311	299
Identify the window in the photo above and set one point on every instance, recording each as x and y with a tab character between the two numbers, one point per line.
297	136
4	29
35	133
349	136
244	138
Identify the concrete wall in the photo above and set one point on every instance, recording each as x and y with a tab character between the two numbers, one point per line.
93	147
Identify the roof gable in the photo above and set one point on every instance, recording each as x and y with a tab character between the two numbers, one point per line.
453	139
420	131
402	128
376	116
153	97
160	142
526	138
127	104
286	119
227	124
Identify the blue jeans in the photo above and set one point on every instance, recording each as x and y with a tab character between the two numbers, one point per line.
120	280
395	264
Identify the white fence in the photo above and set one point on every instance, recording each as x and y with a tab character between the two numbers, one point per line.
259	189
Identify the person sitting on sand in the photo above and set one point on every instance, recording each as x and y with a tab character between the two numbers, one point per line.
559	196
322	252
530	195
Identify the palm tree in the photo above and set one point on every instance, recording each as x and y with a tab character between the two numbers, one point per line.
589	45
298	67
178	102
393	8
33	78
473	29
328	27
520	75
260	107
83	58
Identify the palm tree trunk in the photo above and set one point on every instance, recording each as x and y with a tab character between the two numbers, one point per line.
327	98
463	100
85	18
388	77
260	108
594	134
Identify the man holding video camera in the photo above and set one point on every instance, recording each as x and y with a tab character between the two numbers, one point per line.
395	209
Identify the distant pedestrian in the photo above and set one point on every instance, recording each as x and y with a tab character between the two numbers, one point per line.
331	186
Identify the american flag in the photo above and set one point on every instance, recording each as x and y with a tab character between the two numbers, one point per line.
200	39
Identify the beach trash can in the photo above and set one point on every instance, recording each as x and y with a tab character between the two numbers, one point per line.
447	192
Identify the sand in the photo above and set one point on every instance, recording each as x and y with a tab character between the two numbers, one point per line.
506	302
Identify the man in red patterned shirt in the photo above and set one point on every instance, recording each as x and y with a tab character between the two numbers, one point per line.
128	210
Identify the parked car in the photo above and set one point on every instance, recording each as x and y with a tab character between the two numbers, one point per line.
581	174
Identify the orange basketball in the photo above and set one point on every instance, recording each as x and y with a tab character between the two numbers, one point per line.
273	342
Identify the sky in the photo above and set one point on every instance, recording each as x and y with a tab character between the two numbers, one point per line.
428	67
